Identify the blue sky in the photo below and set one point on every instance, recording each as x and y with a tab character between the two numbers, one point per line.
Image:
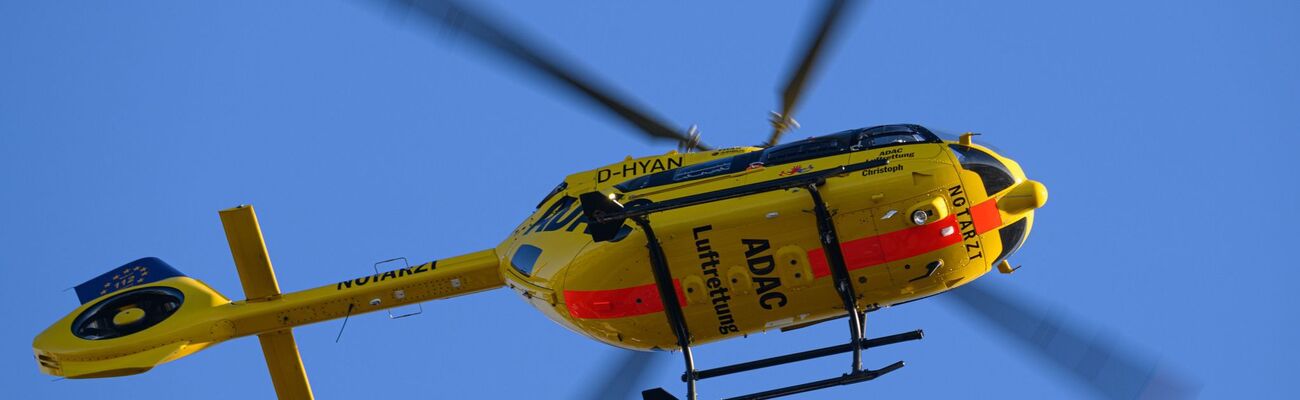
1163	129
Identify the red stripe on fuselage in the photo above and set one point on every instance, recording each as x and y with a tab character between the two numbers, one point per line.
911	242
893	246
985	215
858	253
618	303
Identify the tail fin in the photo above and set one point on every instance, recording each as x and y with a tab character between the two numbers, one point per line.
156	314
139	272
140	306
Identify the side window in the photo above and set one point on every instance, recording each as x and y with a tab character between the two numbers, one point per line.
702	170
891	139
524	259
892	135
803	150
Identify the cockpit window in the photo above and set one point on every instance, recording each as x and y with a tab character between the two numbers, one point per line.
804	150
558	188
524	259
892	135
823	146
1012	236
891	139
995	176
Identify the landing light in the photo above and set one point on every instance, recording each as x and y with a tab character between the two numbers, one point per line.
919	217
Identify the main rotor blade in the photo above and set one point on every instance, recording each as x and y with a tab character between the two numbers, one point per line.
799	77
622	378
495	36
1097	362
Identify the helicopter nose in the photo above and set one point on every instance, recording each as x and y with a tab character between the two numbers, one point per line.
1028	195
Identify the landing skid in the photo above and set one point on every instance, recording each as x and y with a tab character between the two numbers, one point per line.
858	376
606	215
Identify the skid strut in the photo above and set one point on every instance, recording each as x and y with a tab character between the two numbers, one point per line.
607	216
668	295
830	241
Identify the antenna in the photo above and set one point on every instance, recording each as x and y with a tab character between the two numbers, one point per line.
399	294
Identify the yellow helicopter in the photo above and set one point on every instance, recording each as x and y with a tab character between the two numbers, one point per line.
663	252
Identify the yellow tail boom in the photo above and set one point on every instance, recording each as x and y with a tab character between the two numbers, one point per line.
205	317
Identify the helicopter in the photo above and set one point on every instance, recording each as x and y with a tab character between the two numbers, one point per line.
663	252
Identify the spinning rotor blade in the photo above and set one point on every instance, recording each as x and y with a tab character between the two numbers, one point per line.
798	78
623	377
1093	361
494	36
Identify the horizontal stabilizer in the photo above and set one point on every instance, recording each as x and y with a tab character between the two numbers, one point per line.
249	251
285	365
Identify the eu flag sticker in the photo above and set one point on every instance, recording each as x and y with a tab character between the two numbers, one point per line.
138	272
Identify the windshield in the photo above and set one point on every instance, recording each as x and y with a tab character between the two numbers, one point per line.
995	176
1012	236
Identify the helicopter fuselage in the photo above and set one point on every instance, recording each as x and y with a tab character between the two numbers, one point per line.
919	225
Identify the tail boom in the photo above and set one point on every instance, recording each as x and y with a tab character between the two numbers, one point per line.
435	280
207	317
196	316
